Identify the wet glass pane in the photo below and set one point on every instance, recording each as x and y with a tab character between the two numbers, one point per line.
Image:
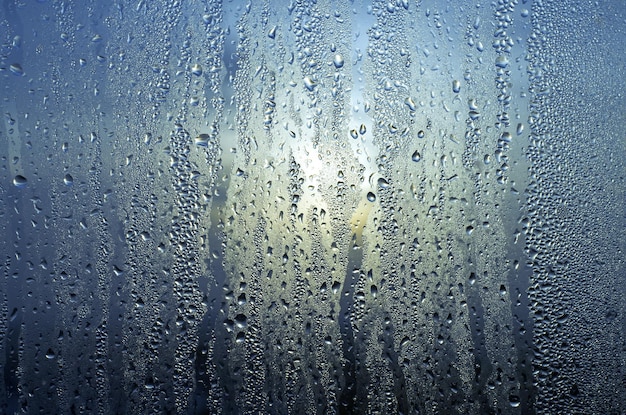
312	207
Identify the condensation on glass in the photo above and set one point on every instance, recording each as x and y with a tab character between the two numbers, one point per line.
312	207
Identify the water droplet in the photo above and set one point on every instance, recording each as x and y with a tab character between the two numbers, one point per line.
68	180
309	83
502	61
50	354
354	134
202	140
456	86
338	61
420	134
20	181
514	401
416	156
374	290
196	69
241	321
410	103
371	197
362	129
382	183
16	69
520	129
272	33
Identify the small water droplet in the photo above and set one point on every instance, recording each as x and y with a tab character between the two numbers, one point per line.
371	197
16	69
416	156
456	86
374	290
410	103
272	33
68	180
362	129
514	401
354	134
382	183
196	69
420	134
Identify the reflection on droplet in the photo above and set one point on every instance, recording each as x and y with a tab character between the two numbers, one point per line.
20	181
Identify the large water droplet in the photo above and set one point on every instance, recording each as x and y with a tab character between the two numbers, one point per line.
20	181
502	61
338	61
309	83
202	140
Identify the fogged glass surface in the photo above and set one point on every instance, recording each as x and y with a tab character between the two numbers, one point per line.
313	207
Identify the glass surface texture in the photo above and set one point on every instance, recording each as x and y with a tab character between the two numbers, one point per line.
312	207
